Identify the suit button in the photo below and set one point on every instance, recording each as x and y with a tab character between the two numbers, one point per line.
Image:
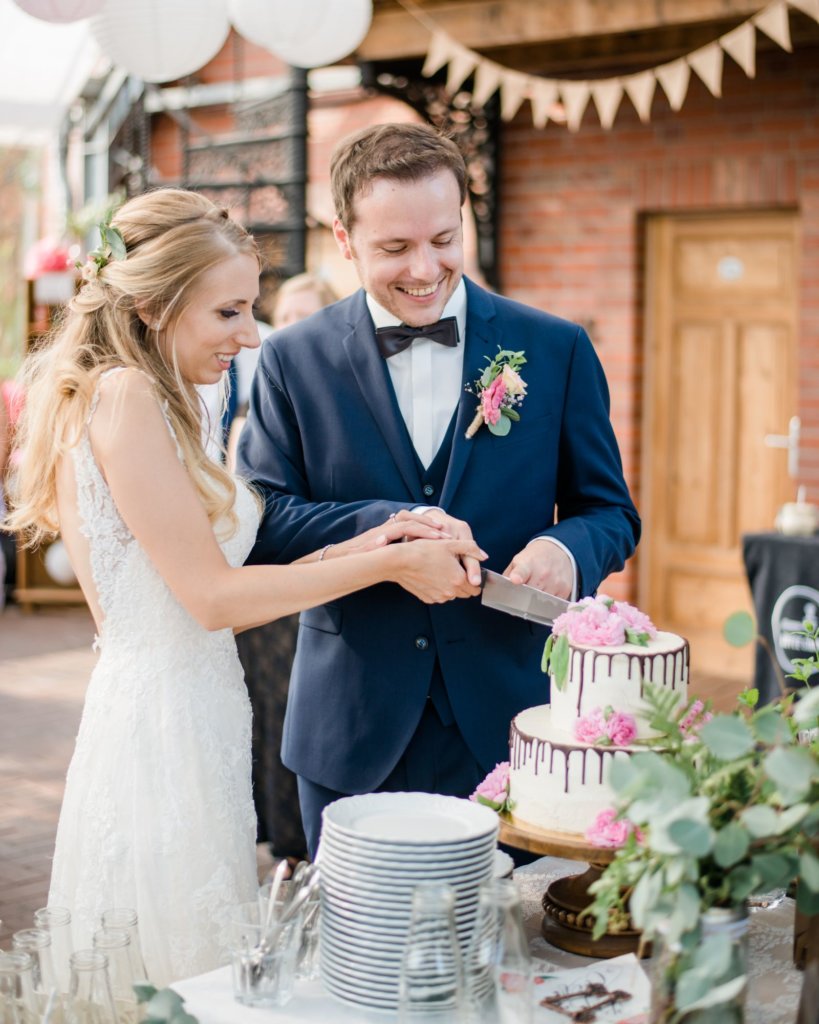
422	643
429	490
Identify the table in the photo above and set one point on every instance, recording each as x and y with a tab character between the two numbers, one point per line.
783	573
773	997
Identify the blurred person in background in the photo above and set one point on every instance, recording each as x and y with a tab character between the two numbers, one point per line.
267	653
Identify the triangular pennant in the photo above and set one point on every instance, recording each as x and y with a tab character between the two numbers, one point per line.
514	88
438	54
542	93
707	62
773	21
487	80
461	65
640	89
674	79
809	7
575	96
741	45
607	95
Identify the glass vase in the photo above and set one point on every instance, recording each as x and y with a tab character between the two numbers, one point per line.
431	988
498	962
704	978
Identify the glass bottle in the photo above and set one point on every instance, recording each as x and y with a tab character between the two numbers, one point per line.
90	1000
729	926
126	919
18	1003
431	987
498	962
57	922
37	942
115	943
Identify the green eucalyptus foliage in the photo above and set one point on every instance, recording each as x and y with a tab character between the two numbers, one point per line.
161	1006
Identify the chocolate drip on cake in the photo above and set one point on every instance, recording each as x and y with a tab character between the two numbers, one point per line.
525	748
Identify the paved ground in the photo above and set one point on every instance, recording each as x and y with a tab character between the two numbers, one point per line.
45	662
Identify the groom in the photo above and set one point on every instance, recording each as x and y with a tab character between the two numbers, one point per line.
352	420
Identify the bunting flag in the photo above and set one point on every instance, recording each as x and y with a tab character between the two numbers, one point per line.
547	94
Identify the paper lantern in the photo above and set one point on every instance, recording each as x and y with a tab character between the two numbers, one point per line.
306	33
161	40
60	10
58	565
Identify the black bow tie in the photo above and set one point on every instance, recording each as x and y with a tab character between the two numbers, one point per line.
392	340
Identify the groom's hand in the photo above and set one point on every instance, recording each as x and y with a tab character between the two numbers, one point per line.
458	530
543	565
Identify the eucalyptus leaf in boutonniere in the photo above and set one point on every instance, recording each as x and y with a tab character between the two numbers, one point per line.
501	391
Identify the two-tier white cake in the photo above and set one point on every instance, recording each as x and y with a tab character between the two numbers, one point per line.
560	753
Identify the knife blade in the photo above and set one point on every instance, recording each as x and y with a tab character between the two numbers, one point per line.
519	599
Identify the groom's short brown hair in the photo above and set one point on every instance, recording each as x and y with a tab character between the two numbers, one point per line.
405	152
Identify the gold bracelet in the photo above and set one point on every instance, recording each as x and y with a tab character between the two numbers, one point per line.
324	551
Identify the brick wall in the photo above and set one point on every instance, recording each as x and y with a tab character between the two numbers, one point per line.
572	207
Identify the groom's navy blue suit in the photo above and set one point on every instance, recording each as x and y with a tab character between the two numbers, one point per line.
327	444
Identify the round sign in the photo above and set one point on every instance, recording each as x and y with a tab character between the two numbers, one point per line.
794	607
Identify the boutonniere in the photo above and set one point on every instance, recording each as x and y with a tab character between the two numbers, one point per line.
501	391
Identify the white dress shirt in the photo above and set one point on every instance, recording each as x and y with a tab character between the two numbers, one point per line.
427	377
428	382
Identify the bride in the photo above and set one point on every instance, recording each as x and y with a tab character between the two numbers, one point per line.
158	814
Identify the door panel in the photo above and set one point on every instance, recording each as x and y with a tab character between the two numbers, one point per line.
720	354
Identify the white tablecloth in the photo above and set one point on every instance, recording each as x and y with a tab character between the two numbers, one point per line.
772	998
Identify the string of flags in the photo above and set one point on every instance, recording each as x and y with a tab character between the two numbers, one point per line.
573	96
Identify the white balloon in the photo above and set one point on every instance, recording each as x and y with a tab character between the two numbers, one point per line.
60	10
304	33
161	40
57	564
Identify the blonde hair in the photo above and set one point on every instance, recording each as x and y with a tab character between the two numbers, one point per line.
304	283
172	237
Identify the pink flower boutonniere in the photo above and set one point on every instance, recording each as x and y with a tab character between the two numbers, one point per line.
500	390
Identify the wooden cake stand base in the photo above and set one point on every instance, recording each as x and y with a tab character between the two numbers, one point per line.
564	924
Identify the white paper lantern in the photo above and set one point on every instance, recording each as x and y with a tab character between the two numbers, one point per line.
305	33
58	565
60	10
160	40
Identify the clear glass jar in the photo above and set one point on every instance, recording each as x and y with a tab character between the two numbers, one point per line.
90	1000
718	951
18	1003
498	962
115	943
57	922
431	986
126	919
37	942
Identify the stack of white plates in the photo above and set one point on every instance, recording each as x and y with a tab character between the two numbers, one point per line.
374	850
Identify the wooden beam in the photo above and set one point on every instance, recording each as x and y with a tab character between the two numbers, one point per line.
487	25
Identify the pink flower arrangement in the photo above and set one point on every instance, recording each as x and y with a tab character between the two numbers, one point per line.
694	719
494	790
602	622
606	728
609	831
47	257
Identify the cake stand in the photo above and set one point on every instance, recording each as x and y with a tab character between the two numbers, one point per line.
565	924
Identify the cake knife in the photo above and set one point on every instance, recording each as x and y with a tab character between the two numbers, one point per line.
519	599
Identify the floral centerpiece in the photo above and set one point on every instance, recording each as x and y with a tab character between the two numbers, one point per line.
726	807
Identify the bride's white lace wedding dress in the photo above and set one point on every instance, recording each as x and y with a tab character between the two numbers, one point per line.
158	812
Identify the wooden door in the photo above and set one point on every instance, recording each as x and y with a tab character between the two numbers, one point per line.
721	330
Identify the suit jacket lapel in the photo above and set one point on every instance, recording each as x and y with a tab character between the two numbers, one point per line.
482	340
376	388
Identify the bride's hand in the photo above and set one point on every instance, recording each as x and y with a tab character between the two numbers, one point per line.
402	526
432	570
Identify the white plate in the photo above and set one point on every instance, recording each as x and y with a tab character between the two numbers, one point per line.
371	860
410	818
389	928
353	995
397	886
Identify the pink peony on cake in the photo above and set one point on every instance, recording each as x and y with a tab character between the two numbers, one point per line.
599	657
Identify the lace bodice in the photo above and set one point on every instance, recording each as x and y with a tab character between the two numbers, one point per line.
136	603
158	812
